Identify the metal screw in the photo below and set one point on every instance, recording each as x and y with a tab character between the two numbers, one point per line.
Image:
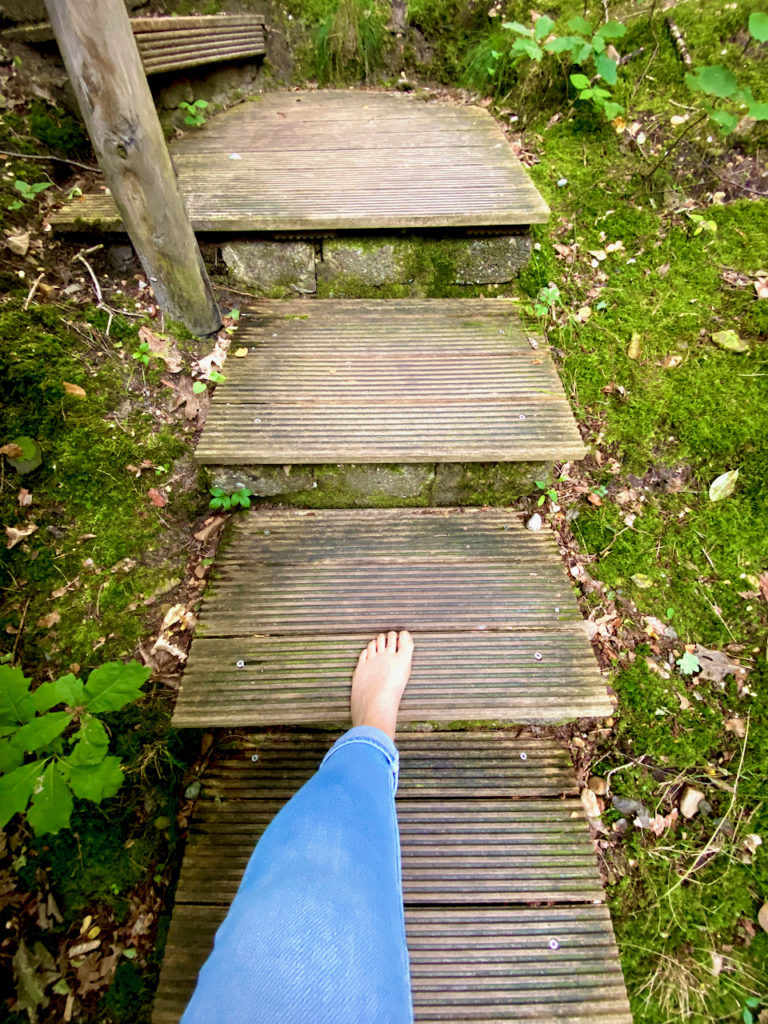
554	944
557	610
523	756
521	416
241	664
501	332
257	421
254	757
266	533
538	656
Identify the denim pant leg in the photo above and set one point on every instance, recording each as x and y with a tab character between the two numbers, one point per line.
316	934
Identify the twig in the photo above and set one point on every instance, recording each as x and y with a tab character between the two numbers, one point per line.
32	290
674	145
687	874
679	41
57	159
89	268
729	181
21	630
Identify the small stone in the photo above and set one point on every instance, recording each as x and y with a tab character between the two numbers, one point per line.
625	805
534	523
689	801
598	786
621	826
724	825
192	792
162	822
706	809
736	726
762	917
590	804
18	244
577	741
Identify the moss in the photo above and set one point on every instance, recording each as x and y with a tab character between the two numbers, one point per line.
58	130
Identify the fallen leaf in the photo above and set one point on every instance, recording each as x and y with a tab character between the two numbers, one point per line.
723	486
764	584
594	499
689	801
49	621
761	287
635	346
752	841
210	527
762	917
641	580
157	498
195	405
685	704
590	803
73	389
715	665
729	341
163	347
599	254
616	246
16	536
663	270
660	823
13	451
736	726
656	628
671	362
24	497
240	353
583	314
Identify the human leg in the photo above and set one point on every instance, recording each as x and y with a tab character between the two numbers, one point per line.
316	930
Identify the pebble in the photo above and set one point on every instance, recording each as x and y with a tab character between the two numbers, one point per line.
534	523
625	805
689	801
597	785
762	917
621	826
590	804
192	792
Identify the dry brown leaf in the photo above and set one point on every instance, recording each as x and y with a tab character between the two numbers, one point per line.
18	244
163	348
598	254
73	389
16	536
157	498
24	497
210	527
13	451
635	346
715	665
671	362
663	270
764	584
240	353
736	726
49	621
595	499
761	287
660	823
195	406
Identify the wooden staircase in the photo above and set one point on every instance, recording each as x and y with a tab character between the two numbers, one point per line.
504	905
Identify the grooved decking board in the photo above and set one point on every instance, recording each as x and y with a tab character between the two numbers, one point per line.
296	595
169	44
479	843
341	159
419	380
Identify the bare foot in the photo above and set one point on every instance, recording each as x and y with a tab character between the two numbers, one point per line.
383	669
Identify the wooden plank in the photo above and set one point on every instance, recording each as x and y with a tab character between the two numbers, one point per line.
457	168
296	596
416	381
499	888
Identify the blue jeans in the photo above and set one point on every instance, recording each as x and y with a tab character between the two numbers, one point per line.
315	934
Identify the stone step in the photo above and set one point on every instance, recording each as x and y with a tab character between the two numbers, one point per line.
399	401
295	595
502	894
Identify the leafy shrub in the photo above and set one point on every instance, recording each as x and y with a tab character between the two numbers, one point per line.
77	764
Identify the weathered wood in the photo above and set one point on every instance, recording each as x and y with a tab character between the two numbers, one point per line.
104	66
484	860
338	159
296	596
405	381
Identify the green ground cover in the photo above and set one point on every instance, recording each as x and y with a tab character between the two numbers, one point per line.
665	410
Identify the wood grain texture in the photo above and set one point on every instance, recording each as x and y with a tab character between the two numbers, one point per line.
295	597
492	873
386	160
420	380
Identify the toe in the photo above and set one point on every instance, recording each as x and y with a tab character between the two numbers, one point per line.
391	642
381	643
371	648
404	643
363	655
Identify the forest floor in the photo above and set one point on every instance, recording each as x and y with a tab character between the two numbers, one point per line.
646	260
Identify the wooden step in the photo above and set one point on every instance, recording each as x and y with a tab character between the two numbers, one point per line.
406	381
502	892
297	594
387	161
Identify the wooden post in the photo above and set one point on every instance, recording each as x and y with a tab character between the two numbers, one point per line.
100	52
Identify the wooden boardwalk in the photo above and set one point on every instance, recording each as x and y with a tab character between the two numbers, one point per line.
501	888
412	380
296	595
341	160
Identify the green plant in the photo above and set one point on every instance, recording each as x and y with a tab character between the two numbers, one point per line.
141	354
584	47
722	85
75	764
195	116
349	42
27	192
226	502
545	302
748	1012
547	492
